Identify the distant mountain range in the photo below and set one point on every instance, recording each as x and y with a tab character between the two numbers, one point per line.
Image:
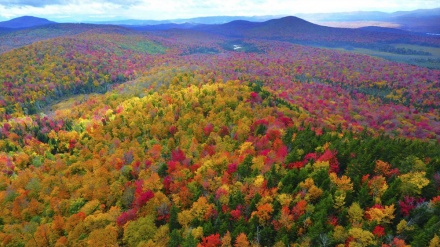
273	28
25	22
423	20
416	21
297	30
193	21
368	15
290	29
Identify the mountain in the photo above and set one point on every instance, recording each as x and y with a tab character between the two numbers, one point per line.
286	28
282	26
345	16
225	19
418	12
232	29
290	28
197	20
287	25
132	22
426	18
422	20
158	27
25	22
419	21
297	30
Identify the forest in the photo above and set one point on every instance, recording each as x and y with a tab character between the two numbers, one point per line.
116	137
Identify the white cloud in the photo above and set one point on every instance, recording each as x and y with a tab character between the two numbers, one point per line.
34	3
71	10
80	10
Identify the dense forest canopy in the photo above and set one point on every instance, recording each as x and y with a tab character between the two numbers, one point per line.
110	137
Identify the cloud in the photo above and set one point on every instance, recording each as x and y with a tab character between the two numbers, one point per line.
90	10
122	3
33	3
43	3
75	12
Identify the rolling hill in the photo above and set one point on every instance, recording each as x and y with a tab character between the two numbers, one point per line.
219	135
209	20
297	30
25	22
424	20
419	23
18	38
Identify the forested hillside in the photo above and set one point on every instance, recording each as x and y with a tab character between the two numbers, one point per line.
112	137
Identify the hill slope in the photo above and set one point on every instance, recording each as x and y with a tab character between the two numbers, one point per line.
208	163
298	30
62	67
294	29
19	38
25	22
168	138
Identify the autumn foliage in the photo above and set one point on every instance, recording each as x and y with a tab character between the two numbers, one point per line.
161	147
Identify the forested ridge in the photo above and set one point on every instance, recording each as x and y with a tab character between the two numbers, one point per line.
165	139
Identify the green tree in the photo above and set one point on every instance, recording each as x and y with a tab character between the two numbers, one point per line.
174	223
142	229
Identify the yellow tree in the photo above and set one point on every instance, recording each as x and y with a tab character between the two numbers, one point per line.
355	214
361	237
226	240
103	236
343	183
377	185
435	241
242	241
313	192
184	218
201	208
380	214
413	183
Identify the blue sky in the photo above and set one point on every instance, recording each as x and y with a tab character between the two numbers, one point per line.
94	10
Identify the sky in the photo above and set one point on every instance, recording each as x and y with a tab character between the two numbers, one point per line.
99	10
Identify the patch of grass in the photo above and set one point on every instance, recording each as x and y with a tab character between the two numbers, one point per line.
143	46
435	51
432	62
